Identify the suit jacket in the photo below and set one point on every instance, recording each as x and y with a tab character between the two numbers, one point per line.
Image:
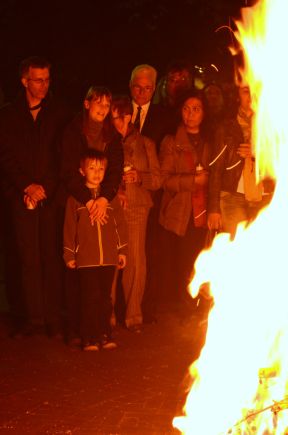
156	124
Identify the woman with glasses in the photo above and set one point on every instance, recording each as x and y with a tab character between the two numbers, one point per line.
141	175
184	159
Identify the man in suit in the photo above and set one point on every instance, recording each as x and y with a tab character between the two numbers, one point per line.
153	121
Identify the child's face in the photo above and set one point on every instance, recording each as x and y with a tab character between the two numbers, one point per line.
93	171
98	108
120	122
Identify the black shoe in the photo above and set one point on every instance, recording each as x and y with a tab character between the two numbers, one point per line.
32	330
54	332
74	342
149	319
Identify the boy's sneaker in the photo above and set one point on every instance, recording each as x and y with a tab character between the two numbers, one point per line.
108	343
91	347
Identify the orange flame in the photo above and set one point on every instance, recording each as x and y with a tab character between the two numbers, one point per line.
248	325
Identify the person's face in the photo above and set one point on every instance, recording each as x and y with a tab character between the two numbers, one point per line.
214	97
245	99
178	82
120	122
142	89
36	83
98	108
93	171
192	114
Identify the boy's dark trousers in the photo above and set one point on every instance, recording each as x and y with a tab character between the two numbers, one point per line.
96	305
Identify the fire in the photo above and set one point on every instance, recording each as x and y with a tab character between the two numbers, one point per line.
240	381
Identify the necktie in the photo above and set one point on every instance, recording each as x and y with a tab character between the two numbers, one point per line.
137	119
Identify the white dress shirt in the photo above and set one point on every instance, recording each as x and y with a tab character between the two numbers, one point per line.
143	113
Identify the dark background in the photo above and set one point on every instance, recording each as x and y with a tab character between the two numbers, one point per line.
100	42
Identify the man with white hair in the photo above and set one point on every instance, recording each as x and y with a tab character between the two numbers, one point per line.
149	118
152	120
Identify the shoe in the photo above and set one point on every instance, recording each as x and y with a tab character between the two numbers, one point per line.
16	333
108	343
54	332
91	347
32	330
74	342
135	328
149	319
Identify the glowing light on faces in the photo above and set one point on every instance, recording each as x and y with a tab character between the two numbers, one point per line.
120	122
98	108
93	171
37	84
192	114
142	88
178	81
248	325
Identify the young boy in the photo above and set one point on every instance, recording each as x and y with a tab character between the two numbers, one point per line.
94	249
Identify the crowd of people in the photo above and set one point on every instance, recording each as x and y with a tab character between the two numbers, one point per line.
118	198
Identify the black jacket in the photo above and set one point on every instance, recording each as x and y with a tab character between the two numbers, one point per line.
29	150
226	166
157	124
73	145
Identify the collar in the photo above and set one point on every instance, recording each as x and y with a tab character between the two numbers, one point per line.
38	106
144	108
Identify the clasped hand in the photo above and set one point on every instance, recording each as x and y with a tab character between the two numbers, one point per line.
244	150
36	192
131	176
98	210
201	178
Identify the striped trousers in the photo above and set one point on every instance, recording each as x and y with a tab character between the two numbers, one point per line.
134	274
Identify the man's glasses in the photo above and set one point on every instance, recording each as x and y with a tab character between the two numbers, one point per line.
40	81
143	88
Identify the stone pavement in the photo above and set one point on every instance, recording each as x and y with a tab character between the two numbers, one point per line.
47	388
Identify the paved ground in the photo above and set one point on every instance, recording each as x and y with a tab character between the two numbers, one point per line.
47	388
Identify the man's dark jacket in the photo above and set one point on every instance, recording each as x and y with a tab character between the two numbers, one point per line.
29	150
226	166
157	124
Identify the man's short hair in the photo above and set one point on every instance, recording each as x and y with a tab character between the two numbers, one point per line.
144	69
33	62
92	154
